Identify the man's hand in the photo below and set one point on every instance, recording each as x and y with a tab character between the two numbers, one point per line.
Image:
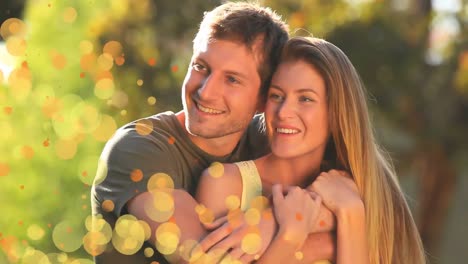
240	237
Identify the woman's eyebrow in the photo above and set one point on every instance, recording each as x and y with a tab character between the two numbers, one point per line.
303	90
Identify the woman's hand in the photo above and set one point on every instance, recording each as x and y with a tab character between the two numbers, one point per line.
338	191
340	194
296	213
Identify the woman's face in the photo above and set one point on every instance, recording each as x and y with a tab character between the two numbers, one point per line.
296	111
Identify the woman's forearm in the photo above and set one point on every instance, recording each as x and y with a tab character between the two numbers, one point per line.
351	236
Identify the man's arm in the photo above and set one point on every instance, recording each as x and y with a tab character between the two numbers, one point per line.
184	216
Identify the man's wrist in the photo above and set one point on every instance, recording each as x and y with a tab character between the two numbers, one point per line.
292	237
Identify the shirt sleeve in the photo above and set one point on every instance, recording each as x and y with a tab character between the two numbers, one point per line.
127	162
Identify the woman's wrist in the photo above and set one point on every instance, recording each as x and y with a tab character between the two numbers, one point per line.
352	212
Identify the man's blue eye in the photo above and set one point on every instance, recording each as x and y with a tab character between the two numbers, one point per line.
198	67
232	79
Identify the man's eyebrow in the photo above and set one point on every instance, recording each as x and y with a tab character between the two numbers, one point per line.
238	74
198	59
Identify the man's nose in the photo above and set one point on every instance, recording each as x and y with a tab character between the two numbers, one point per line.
210	87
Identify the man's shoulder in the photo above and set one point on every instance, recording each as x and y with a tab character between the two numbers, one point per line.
155	126
146	135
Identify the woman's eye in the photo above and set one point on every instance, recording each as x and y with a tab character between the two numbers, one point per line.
275	97
306	99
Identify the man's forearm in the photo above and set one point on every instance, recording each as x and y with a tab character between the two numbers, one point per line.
319	246
184	215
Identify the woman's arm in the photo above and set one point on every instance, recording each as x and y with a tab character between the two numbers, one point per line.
352	243
296	214
212	191
341	196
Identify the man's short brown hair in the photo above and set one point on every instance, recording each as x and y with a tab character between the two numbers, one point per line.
247	23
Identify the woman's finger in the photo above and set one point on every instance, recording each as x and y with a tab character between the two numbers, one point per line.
277	191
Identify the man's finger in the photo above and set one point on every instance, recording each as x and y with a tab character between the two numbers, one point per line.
214	237
236	253
246	258
231	241
215	224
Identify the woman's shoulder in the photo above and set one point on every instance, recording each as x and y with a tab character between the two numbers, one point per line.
223	176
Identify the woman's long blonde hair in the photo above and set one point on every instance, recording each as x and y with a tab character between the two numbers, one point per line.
392	233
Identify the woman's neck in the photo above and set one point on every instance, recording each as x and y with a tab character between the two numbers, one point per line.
299	171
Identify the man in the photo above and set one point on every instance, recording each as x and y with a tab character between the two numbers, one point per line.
235	54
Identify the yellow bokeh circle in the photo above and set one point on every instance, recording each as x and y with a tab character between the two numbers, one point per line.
105	129
35	232
160	181
33	256
216	169
161	208
12	27
251	243
86	47
205	215
232	202
151	100
104	88
65	149
16	46
149	252
252	216
128	235
67	236
119	99
69	15
190	250
144	127
113	48
299	255
167	238
105	61
260	203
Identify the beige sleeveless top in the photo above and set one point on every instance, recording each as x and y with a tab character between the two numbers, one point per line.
252	187
251	183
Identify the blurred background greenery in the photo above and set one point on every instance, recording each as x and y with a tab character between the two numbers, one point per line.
73	71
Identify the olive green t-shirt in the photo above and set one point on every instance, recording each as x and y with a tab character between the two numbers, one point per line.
156	144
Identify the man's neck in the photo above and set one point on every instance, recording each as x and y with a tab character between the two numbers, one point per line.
220	146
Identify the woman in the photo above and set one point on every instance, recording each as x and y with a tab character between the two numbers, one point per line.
317	118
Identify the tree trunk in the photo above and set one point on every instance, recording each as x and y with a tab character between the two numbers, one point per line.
437	178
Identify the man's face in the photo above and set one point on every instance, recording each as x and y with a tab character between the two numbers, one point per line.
221	89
